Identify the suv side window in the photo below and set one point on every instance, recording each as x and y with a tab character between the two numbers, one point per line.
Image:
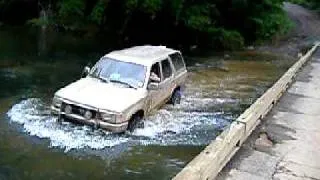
166	69
155	68
177	61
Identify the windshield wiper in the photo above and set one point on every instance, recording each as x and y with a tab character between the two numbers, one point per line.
122	82
100	78
97	76
103	79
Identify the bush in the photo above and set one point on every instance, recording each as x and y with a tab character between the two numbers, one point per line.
38	22
232	40
71	13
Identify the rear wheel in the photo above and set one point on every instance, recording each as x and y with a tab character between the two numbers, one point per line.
175	97
60	119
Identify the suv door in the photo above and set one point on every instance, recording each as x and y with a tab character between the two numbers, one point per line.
155	95
166	84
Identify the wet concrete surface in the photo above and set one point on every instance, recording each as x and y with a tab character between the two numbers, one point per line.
294	128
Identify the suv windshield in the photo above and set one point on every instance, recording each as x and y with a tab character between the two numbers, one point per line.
110	70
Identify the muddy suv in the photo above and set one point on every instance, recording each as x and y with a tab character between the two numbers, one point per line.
122	88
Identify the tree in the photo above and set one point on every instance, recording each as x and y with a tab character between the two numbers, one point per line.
205	23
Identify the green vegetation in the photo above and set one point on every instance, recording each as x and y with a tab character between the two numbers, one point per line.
220	24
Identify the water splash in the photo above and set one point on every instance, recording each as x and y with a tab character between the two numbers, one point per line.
169	126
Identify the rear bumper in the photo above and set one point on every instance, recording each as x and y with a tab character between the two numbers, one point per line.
121	127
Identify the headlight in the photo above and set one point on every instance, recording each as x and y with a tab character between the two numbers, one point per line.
88	114
56	102
108	117
111	117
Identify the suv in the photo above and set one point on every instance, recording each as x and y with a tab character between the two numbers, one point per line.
122	88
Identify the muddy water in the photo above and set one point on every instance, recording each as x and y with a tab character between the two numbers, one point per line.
33	146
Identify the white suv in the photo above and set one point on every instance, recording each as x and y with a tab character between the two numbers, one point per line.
122	88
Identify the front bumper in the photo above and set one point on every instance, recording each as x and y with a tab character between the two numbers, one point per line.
121	127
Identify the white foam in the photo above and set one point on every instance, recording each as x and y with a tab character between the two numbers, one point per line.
64	136
166	127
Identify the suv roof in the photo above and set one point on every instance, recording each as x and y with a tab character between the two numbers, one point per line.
145	55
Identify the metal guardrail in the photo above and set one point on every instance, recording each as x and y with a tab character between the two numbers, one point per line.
215	156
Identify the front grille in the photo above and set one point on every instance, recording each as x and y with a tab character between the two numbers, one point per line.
78	110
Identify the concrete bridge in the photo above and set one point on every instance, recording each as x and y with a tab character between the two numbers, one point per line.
283	130
287	143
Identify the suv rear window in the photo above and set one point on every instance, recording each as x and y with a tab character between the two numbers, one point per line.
177	61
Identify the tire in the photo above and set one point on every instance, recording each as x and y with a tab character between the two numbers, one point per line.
175	97
95	126
60	119
134	123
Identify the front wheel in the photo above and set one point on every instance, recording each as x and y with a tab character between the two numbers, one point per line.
135	122
175	97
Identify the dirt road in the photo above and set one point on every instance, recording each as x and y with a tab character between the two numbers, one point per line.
302	35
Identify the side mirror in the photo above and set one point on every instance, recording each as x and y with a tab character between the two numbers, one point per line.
85	71
153	86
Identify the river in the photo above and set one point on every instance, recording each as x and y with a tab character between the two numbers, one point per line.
33	146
